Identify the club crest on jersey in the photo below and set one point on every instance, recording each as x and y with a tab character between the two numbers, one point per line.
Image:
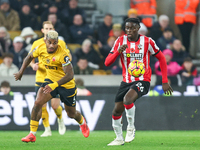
48	60
139	47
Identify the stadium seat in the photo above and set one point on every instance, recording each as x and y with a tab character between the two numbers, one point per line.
99	72
13	34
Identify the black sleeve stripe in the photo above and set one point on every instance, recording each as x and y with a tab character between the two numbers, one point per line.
156	53
111	52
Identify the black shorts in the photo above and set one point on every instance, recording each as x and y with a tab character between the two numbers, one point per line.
38	86
67	96
141	87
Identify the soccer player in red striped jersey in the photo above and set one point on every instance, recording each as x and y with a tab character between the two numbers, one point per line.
133	46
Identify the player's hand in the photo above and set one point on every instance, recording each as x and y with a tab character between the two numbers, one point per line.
17	76
122	48
47	89
35	66
167	88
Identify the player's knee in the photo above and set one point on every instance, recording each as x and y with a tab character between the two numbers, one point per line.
71	115
117	112
38	104
128	100
54	107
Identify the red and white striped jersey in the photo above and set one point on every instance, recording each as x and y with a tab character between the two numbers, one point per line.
141	50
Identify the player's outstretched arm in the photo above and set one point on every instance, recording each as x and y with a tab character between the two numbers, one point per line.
69	75
26	62
163	66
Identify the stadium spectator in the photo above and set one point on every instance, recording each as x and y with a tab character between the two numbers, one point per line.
105	50
61	4
166	40
104	29
27	17
185	18
132	13
158	27
9	18
51	10
143	29
117	69
68	13
5	41
82	67
173	68
6	89
145	8
188	72
89	53
81	90
116	30
39	6
16	4
60	27
80	31
29	37
18	51
7	68
179	53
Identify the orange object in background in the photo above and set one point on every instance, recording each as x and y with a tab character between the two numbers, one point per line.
145	7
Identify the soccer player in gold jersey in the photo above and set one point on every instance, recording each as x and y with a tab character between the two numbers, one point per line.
40	76
59	80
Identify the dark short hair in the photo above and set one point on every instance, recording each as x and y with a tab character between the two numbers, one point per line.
8	55
79	82
5	84
82	57
108	14
188	59
134	20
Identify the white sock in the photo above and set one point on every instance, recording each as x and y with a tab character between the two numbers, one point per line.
117	126
130	115
47	128
34	133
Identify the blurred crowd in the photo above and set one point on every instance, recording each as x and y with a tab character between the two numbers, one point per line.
94	44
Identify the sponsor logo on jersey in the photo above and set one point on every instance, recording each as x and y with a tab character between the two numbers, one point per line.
135	55
51	67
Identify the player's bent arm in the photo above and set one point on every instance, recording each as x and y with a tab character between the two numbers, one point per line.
32	63
26	62
110	59
69	75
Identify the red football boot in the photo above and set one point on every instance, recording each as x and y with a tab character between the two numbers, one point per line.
29	138
85	130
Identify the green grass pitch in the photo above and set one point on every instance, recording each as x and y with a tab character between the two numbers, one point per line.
98	140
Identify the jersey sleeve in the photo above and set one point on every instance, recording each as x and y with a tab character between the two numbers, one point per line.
115	46
153	48
65	59
113	53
